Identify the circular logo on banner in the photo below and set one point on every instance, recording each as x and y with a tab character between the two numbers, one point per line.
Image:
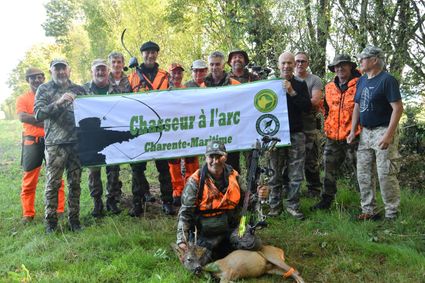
267	125
265	100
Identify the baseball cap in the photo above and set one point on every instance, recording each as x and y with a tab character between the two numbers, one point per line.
99	62
215	147
33	71
174	66
370	51
58	61
199	64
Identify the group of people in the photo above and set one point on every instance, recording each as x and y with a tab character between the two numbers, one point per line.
361	118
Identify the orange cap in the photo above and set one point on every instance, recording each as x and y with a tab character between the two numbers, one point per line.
174	66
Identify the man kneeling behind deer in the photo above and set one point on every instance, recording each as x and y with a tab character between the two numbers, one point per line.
211	205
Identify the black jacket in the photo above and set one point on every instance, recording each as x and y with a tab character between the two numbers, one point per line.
298	103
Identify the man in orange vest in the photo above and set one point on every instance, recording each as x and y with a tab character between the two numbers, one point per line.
32	146
218	77
212	201
191	164
148	76
339	107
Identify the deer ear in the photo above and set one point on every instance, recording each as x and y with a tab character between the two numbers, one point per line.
179	252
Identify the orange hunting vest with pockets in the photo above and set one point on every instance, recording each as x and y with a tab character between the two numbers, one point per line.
214	199
341	106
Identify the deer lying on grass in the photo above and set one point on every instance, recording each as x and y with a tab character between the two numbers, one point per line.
238	264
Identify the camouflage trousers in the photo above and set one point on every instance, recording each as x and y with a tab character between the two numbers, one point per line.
113	183
59	158
387	165
290	159
140	184
335	153
312	164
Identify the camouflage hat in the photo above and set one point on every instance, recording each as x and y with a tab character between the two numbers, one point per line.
215	147
237	51
33	71
174	66
199	64
341	58
99	62
149	45
371	51
58	61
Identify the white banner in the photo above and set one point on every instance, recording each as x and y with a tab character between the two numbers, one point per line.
166	124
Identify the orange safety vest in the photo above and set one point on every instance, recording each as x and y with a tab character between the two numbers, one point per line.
160	81
341	106
231	82
214	199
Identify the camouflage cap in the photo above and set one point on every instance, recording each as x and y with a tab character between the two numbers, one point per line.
174	66
371	51
33	71
58	61
99	62
215	147
199	64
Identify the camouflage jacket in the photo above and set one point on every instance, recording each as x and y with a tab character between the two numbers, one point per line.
191	83
123	86
227	80
189	214
246	77
59	122
91	88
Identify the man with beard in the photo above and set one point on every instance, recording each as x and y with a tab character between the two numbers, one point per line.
54	105
100	85
238	59
218	77
148	76
32	146
199	72
290	158
212	204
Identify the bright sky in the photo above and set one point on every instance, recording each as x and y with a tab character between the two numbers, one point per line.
20	28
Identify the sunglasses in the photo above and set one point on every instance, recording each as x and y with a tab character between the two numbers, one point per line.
300	61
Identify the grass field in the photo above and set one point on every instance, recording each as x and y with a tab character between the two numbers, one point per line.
327	247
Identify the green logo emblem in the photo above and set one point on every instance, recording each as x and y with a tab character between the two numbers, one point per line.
265	100
267	125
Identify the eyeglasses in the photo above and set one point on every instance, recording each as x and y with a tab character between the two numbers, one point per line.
300	61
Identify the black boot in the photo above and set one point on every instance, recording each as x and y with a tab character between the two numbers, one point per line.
324	204
98	208
149	197
137	209
177	201
74	225
51	227
111	205
168	208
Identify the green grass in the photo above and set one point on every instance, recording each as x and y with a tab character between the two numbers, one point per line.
327	247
